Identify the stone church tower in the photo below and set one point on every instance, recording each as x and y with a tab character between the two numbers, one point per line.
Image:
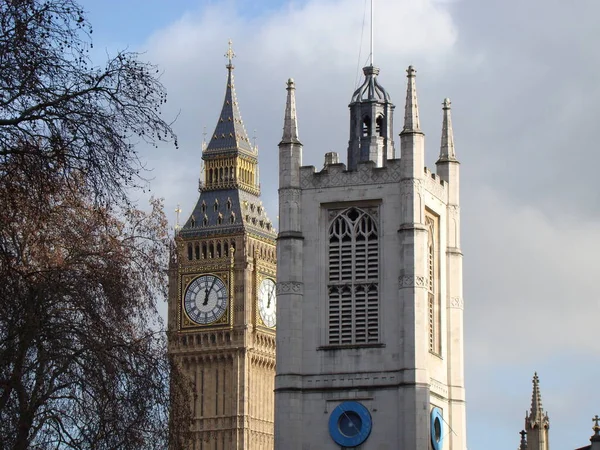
369	281
222	298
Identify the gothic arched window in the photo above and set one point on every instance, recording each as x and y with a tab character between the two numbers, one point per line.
433	298
378	125
353	279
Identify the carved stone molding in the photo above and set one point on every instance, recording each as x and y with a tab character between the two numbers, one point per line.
438	387
410	185
453	210
336	175
289	195
412	281
457	302
287	287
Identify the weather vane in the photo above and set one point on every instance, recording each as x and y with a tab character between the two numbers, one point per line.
230	55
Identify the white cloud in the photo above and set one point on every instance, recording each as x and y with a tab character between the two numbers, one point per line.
530	246
531	279
317	43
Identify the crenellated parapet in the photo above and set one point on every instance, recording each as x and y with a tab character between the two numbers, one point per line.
436	186
337	175
367	173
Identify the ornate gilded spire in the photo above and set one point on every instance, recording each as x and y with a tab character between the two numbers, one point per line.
230	134
411	110
447	152
290	122
596	428
230	55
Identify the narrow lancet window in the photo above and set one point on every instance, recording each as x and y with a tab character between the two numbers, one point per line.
433	297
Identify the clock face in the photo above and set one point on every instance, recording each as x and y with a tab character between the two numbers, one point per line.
205	299
437	430
350	424
267	302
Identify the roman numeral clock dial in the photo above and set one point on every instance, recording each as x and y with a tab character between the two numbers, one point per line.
205	299
267	302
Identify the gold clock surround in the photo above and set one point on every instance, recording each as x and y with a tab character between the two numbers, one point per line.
226	320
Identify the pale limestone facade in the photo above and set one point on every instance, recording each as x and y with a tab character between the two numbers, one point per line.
226	257
369	284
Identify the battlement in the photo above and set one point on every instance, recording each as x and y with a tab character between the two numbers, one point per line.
337	175
333	175
435	185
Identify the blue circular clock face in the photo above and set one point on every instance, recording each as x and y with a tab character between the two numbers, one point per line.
437	428
350	424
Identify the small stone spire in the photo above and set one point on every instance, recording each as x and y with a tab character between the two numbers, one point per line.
536	420
290	122
523	445
537	411
411	112
447	152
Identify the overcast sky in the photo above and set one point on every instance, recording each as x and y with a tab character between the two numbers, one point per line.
523	79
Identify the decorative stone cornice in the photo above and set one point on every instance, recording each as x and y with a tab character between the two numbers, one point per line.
412	281
290	287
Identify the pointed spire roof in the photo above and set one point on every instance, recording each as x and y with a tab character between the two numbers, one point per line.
290	121
537	416
411	111
447	152
230	134
536	398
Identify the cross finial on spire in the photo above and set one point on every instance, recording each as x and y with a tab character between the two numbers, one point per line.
177	225
596	428
230	55
523	445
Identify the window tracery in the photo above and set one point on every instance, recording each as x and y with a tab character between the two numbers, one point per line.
353	309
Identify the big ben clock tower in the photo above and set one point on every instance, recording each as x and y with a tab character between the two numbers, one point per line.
222	297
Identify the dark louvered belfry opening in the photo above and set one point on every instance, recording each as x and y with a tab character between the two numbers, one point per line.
353	279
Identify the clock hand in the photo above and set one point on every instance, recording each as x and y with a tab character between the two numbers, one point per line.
349	419
208	292
269	298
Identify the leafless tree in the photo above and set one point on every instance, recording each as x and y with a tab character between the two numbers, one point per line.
82	117
83	360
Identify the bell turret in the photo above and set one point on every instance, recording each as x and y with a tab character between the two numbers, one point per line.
371	122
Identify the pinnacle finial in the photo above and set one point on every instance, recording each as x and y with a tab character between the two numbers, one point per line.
537	411
447	152
596	427
290	122
411	110
230	55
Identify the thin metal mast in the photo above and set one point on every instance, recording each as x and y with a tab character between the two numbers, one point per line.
372	1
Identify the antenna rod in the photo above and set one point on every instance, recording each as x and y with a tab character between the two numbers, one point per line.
372	32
